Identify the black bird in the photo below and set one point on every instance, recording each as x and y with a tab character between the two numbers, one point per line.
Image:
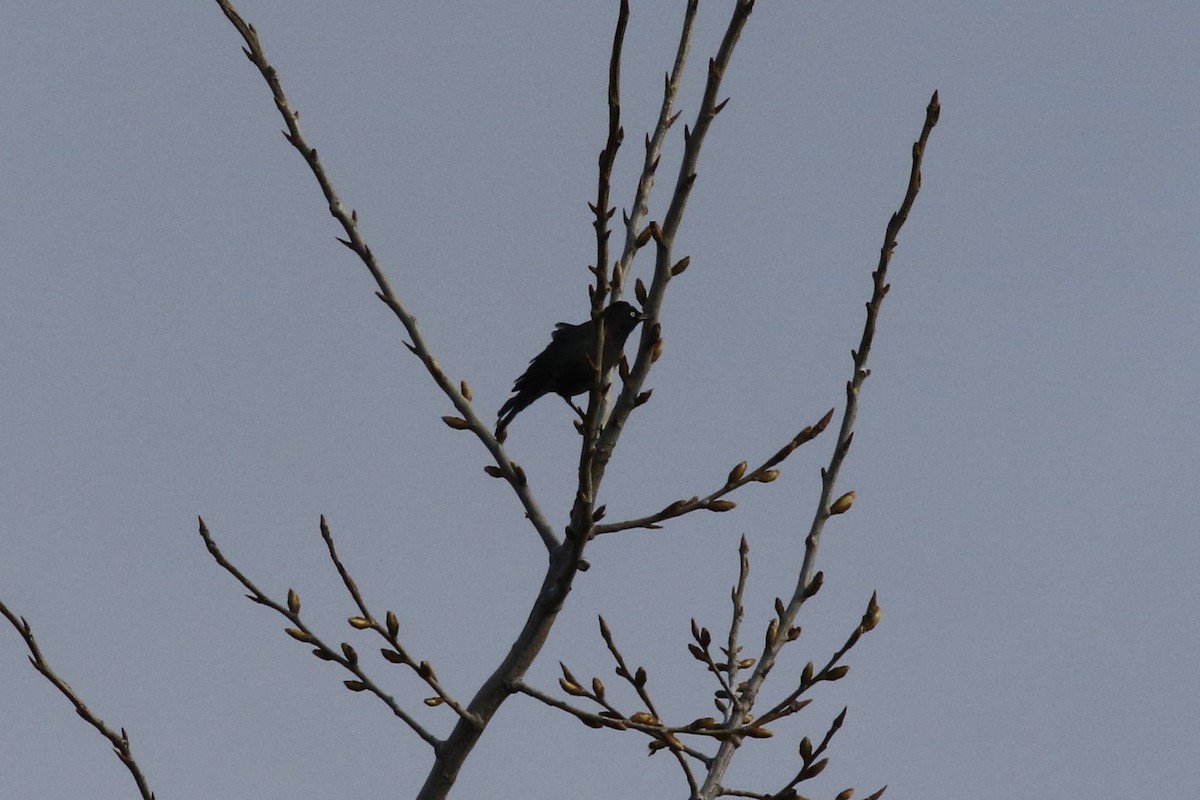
564	367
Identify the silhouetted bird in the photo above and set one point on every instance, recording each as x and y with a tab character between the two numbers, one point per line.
563	367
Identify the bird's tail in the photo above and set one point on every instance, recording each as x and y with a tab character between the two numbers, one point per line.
512	406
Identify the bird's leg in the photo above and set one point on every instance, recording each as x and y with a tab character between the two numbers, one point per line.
577	409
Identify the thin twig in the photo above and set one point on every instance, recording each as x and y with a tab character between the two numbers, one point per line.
302	633
806	582
664	238
617	722
608	157
702	652
739	477
788	705
613	719
735	623
585	497
854	385
654	144
119	741
397	654
354	240
813	764
745	793
638	680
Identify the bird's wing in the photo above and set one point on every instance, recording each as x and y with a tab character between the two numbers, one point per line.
537	370
562	329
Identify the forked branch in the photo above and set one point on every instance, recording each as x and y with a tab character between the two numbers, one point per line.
809	579
344	655
635	235
664	236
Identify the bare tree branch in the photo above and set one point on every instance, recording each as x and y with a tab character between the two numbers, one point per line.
650	344
634	238
582	515
808	580
737	596
830	672
737	478
599	440
608	156
459	394
638	680
396	653
119	741
643	722
347	658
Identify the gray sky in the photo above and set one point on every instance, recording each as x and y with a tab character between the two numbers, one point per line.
182	335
